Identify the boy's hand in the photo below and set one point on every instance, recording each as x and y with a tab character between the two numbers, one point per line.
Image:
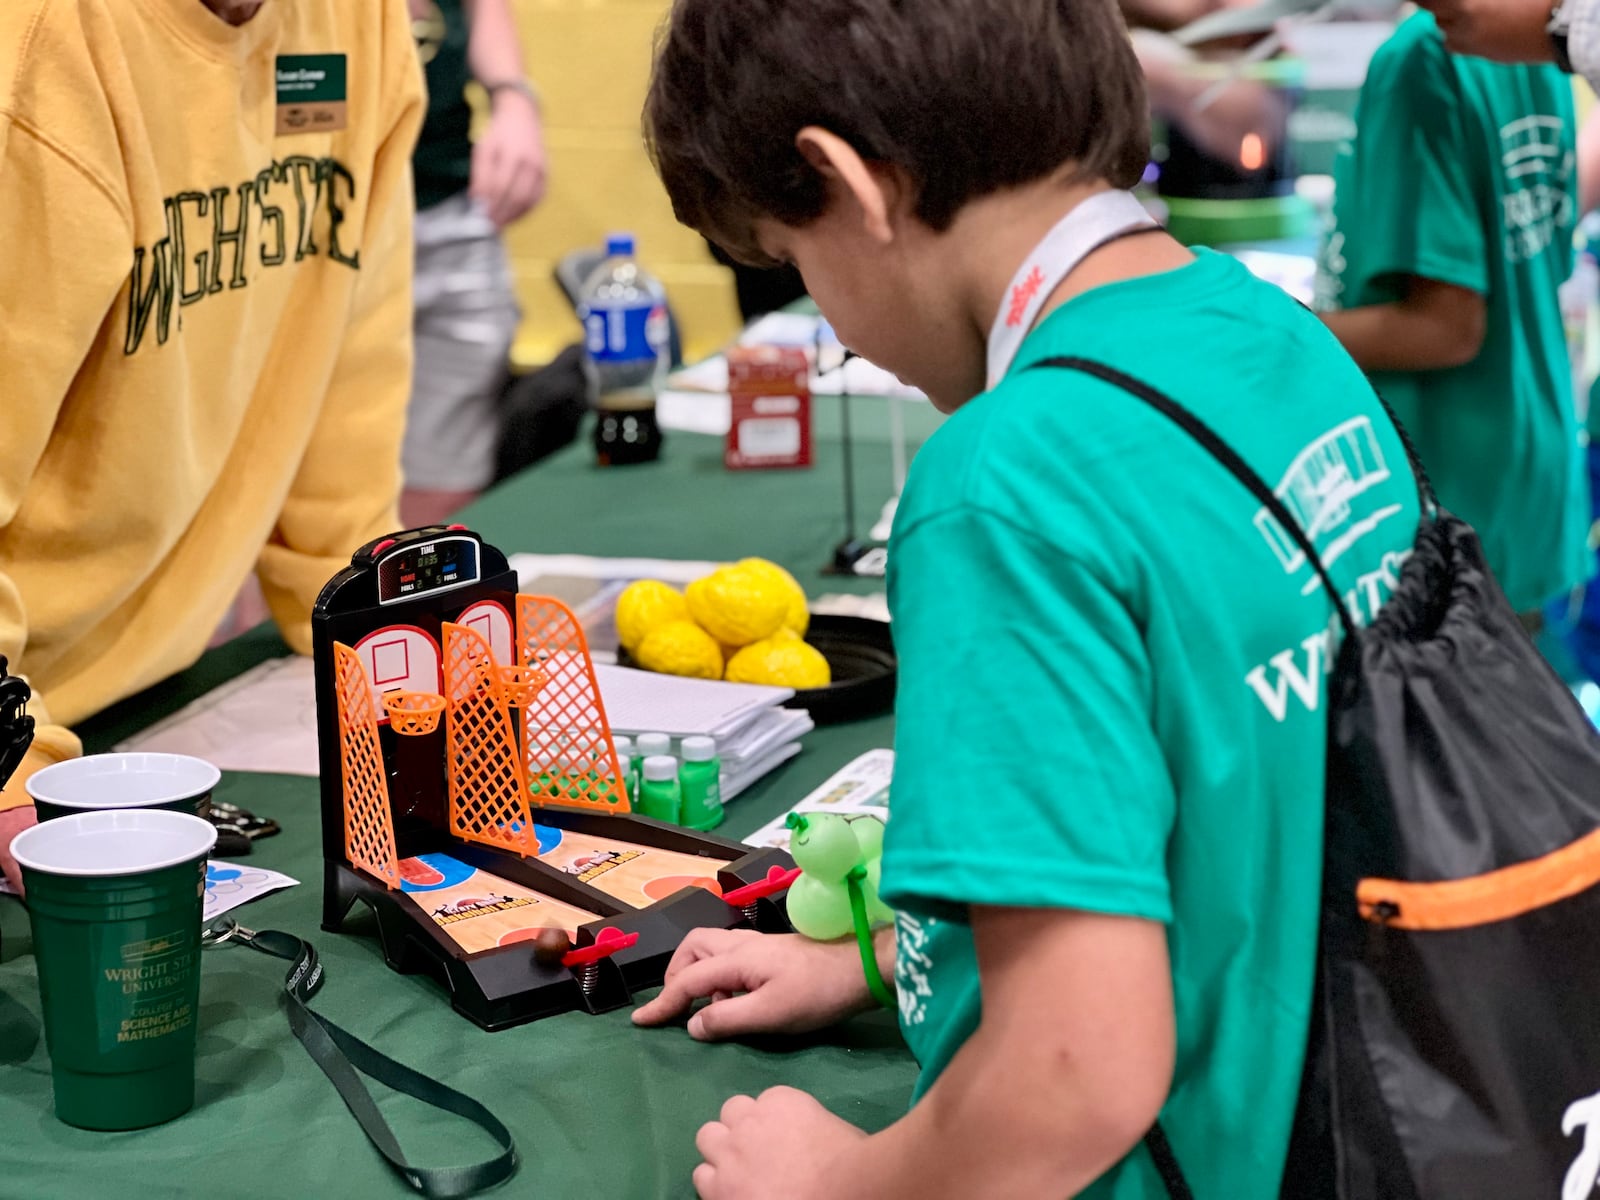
759	983
778	1143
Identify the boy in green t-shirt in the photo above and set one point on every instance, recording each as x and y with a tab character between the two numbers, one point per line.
1107	834
1453	225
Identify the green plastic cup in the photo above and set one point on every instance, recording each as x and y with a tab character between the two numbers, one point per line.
173	782
115	899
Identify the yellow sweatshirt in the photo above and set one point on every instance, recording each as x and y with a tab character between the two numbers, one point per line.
205	324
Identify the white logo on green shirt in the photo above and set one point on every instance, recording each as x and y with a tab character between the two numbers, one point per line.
912	966
1318	490
1538	167
1329	294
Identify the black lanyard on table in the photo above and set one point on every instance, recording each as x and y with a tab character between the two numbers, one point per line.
344	1058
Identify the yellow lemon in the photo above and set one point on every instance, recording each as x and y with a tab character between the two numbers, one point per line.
781	662
737	606
798	616
784	634
645	606
681	648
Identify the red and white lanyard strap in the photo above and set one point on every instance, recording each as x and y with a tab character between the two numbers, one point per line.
1103	217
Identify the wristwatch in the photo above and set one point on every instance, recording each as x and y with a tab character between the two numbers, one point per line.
525	88
1557	30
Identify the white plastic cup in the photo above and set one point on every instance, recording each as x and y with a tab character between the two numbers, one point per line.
106	782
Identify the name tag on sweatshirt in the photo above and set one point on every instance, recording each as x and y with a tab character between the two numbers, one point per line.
311	93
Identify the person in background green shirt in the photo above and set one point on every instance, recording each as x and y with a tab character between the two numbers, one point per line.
1106	844
1453	223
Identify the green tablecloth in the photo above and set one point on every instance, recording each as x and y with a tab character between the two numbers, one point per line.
598	1108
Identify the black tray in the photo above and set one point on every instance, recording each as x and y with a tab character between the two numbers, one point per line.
860	654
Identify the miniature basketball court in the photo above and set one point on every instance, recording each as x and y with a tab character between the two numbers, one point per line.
472	799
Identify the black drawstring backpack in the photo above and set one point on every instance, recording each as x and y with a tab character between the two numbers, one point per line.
1454	1049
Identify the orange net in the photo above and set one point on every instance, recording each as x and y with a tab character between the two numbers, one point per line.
413	713
488	791
566	739
368	823
522	684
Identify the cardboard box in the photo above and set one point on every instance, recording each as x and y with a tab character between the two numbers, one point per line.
770	390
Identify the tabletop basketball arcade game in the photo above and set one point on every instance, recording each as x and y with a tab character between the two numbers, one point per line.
471	796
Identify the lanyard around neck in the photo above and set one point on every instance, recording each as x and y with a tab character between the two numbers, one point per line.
1091	224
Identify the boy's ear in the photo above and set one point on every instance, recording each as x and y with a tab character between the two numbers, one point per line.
836	159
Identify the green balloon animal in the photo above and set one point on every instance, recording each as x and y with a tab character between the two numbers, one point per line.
834	855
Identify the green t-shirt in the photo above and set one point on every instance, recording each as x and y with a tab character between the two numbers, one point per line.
442	164
1112	672
1462	171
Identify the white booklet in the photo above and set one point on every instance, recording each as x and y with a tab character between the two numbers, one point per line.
859	789
644	702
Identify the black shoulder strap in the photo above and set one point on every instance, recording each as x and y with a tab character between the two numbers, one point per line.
1224	454
344	1058
1167	1163
1160	1150
1427	502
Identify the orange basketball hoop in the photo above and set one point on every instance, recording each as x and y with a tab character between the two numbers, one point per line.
522	684
413	713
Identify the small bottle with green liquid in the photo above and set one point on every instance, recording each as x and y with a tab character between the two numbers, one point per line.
647	745
660	794
622	744
700	778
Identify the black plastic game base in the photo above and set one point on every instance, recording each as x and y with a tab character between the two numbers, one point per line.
508	985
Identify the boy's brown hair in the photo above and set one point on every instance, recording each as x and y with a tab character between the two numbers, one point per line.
966	96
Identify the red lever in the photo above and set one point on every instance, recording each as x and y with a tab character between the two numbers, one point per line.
777	880
454	528
383	545
606	943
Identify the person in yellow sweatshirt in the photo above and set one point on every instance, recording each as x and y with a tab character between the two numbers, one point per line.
205	327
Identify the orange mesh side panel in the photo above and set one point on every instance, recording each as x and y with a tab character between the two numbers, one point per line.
488	791
566	739
368	822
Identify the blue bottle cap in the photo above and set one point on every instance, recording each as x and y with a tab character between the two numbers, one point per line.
619	244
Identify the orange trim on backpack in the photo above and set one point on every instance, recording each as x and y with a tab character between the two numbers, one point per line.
1483	899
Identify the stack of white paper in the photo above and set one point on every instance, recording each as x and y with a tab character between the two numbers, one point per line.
265	720
645	702
737	778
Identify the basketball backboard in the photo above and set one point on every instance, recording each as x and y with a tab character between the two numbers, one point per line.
399	658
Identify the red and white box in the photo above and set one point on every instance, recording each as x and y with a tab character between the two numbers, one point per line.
770	387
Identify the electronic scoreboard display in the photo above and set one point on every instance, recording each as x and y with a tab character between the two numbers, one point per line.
424	567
